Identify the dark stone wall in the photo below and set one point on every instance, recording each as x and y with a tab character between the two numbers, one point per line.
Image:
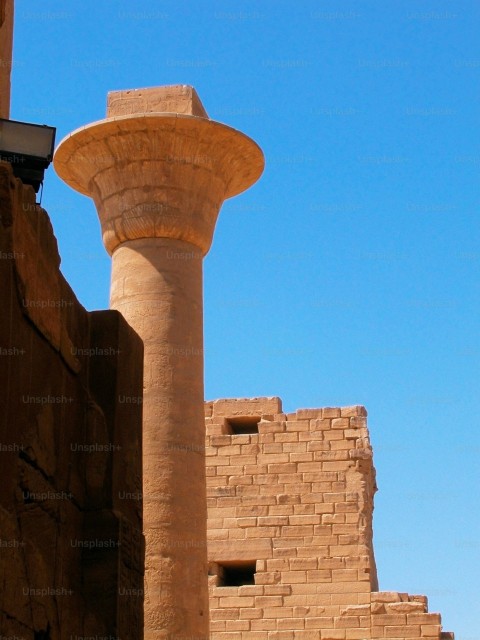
71	543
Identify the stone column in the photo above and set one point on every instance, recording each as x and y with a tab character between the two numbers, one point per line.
158	174
6	46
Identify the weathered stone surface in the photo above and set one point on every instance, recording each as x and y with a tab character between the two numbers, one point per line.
405	607
68	447
293	500
298	503
235	407
179	98
158	174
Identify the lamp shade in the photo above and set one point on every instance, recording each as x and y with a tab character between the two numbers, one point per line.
28	148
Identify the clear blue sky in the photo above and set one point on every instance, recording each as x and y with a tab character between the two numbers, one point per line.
350	273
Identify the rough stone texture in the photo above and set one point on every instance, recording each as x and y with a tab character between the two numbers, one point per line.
71	547
158	180
296	499
178	98
6	45
158	175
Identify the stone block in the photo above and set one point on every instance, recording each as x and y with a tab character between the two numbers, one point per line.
405	607
250	614
333	634
263	625
272	612
356	610
269	601
419	598
331	412
271	427
309	414
353	411
358	423
340	423
233	551
291	623
237	601
424	618
247	407
430	630
386	596
390	619
224	613
320	575
298	425
278	589
402	632
320	425
181	99
347	622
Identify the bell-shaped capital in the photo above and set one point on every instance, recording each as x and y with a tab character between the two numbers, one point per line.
158	174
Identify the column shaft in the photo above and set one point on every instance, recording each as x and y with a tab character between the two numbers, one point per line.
157	286
159	170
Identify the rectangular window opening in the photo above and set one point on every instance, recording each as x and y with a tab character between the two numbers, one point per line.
243	425
237	574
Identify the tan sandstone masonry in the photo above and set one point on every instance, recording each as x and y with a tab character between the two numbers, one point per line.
159	170
293	503
6	45
71	548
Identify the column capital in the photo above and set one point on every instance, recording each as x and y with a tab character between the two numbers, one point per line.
158	174
158	179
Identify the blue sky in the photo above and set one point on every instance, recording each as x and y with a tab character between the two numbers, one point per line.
349	274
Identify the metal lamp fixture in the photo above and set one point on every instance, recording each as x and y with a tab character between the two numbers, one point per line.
28	148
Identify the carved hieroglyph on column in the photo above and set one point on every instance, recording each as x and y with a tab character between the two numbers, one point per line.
159	170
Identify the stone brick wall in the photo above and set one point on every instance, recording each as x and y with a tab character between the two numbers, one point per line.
71	547
294	502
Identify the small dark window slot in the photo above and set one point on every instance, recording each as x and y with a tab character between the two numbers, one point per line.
243	426
237	574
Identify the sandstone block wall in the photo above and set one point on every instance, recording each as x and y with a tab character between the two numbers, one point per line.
293	503
71	547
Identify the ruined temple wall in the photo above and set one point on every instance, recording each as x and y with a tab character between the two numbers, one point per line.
296	499
6	45
71	547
